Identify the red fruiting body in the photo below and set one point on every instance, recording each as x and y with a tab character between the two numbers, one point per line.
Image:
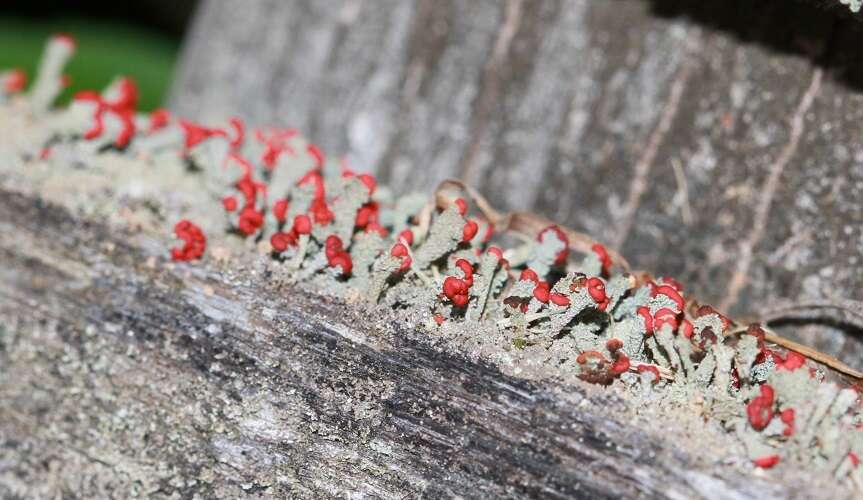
469	231
343	260
280	241
613	344
604	258
489	232
766	462
497	252
541	292
65	39
302	224
407	236
274	145
250	220
314	177
461	205
196	134
855	460
529	275
367	214
194	241
466	268
438	319
559	299
317	154
230	203
596	289
123	107
586	355
760	408
15	81
649	368
621	364
159	119
456	290
280	210
787	417
671	282
375	227
665	316
560	258
686	328
369	181
644	312
239	132
670	292
332	246
336	254
792	361
321	212
401	251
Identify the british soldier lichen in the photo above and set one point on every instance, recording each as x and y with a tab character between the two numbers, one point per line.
320	221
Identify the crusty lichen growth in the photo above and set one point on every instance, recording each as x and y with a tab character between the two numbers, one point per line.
583	314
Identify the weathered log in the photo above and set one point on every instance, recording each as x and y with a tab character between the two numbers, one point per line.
123	374
717	142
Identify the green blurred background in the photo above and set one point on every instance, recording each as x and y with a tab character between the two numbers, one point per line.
140	39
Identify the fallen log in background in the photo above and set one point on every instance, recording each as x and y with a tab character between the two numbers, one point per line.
122	374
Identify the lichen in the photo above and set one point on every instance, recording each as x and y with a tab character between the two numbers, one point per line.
587	316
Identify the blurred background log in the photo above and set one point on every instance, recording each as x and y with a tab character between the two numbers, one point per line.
716	142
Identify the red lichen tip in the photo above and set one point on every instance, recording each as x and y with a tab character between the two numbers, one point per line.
665	316
542	292
672	293
159	119
644	312
369	181
316	153
469	231
407	237
559	299
15	81
621	363
456	290
650	369
194	241
280	241
65	39
230	203
604	258
400	251
760	409
766	462
596	289
461	205
466	268
280	210
560	258
529	275
302	224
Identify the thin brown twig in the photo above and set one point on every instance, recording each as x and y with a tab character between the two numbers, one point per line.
768	191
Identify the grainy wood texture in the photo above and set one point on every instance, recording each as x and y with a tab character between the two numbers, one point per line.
123	375
717	142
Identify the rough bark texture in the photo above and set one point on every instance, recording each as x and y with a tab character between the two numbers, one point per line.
123	375
717	142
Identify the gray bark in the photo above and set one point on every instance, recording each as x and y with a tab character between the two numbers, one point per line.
717	142
123	375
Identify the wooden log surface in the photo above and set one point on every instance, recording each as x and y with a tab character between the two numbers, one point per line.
122	374
716	142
